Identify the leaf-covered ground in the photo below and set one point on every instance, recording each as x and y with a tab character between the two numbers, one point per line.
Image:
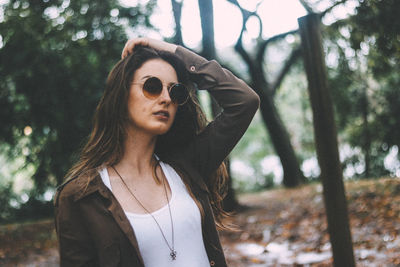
282	227
29	244
287	227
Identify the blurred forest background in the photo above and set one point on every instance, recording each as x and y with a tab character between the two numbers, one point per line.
55	57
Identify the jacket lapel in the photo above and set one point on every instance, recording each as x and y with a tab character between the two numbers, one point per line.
97	185
123	222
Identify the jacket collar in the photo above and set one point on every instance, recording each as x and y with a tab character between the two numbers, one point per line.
90	185
94	184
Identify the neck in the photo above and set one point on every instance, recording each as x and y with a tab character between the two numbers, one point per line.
138	155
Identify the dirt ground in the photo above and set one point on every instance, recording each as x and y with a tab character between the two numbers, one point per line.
287	227
281	227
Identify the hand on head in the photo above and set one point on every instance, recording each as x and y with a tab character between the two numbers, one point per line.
143	41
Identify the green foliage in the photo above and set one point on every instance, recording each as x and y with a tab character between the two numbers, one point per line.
55	57
377	24
379	21
364	80
6	211
389	118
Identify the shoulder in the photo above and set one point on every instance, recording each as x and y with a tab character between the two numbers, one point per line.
73	186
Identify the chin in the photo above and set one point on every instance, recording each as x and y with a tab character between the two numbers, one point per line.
161	130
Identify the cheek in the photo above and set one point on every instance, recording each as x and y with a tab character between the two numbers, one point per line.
140	112
136	105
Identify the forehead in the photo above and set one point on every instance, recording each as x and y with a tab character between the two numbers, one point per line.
156	68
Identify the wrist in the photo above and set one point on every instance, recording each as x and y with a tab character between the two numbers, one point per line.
168	47
173	48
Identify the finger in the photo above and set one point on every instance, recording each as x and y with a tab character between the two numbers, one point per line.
127	48
130	46
123	52
132	43
143	41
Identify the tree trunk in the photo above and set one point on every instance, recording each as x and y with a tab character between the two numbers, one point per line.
292	175
280	140
367	137
230	202
177	11
326	142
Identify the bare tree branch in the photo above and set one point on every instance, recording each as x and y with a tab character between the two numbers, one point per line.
257	65
296	53
246	15
262	47
239	41
246	57
310	9
306	6
259	20
239	45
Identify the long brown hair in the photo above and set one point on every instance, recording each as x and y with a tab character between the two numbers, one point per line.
105	146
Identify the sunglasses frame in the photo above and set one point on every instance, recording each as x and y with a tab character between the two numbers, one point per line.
169	88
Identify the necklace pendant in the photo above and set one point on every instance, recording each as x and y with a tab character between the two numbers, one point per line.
173	255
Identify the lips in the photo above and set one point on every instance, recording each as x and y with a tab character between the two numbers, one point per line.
162	114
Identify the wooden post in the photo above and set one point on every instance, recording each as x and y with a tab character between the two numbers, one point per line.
326	142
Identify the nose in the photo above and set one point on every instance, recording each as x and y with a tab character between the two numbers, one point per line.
165	98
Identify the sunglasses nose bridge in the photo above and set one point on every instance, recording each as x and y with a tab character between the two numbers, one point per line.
165	93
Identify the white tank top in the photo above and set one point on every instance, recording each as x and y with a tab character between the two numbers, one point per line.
186	217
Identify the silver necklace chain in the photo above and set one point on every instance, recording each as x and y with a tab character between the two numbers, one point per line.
171	248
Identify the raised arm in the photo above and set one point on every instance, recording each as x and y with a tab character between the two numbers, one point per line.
238	101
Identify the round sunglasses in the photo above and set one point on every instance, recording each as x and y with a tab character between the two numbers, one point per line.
153	87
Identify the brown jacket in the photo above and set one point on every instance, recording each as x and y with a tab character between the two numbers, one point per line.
91	226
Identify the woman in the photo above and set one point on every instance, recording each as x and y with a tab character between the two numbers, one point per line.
146	190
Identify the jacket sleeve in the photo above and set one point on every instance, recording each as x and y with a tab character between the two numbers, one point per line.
238	101
75	247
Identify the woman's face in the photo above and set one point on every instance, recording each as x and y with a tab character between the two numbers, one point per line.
152	116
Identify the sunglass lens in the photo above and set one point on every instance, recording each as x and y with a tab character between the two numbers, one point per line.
179	94
152	87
